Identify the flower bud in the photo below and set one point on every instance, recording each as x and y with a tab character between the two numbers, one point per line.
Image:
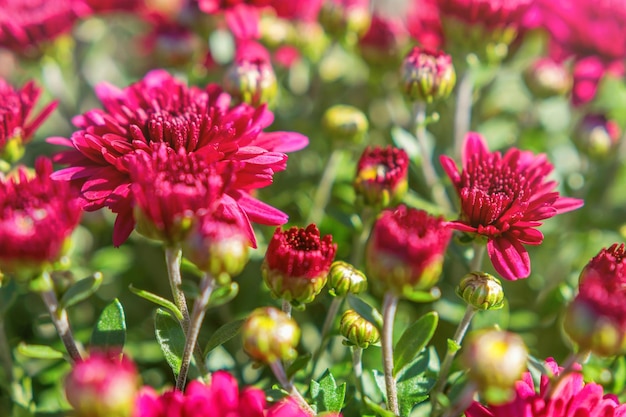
218	247
102	386
596	319
546	78
406	249
270	335
427	75
252	82
381	176
357	330
496	360
344	279
345	19
297	262
481	290
597	136
345	124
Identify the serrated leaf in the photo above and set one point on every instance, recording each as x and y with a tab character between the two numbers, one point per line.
414	340
39	351
110	330
406	141
171	338
414	382
378	409
368	312
81	290
223	294
300	363
326	394
223	334
158	300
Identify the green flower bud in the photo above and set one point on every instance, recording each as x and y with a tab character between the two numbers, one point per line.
344	123
496	360
481	290
427	75
357	330
547	78
345	279
270	335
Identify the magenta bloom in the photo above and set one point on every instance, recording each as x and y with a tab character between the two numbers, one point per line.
222	398
489	13
572	397
381	175
37	215
162	109
25	24
17	123
504	198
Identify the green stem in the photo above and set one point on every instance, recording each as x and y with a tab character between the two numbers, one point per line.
207	284
173	257
477	259
59	318
322	194
286	307
280	374
464	401
357	366
463	110
390	304
430	175
450	354
5	353
335	305
360	239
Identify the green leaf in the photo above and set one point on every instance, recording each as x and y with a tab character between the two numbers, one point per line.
187	266
378	409
423	296
326	394
171	338
415	381
8	294
453	346
39	351
158	300
368	312
223	334
300	363
223	294
81	290
413	340
110	330
406	141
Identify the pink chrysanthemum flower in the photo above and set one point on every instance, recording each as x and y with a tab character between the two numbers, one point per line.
25	24
37	215
222	398
489	13
381	176
160	108
504	199
572	397
17	124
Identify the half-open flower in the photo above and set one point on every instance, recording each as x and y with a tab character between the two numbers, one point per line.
504	199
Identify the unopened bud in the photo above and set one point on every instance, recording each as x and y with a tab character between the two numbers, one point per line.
481	290
496	360
381	177
252	82
346	20
546	78
427	75
270	335
597	136
357	330
344	279
345	124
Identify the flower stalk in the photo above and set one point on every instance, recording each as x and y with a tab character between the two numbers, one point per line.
357	366
173	258
390	305
280	374
331	314
463	109
322	194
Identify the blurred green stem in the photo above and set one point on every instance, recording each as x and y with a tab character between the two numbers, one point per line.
281	376
5	353
463	110
464	400
360	239
173	258
207	284
286	307
59	318
477	259
322	194
453	347
357	366
390	305
331	314
430	175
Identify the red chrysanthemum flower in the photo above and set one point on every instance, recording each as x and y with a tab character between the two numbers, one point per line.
489	13
25	24
572	397
297	262
222	398
160	108
37	215
17	124
504	198
596	319
406	249
381	175
383	41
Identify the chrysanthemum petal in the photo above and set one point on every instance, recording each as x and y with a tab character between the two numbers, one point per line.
509	258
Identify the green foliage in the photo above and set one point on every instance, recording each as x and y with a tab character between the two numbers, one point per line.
223	335
110	330
326	395
171	338
415	338
81	290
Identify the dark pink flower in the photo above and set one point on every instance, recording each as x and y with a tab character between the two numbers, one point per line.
424	23
37	215
406	249
17	121
160	108
382	42
381	175
25	24
572	397
504	199
222	398
489	13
